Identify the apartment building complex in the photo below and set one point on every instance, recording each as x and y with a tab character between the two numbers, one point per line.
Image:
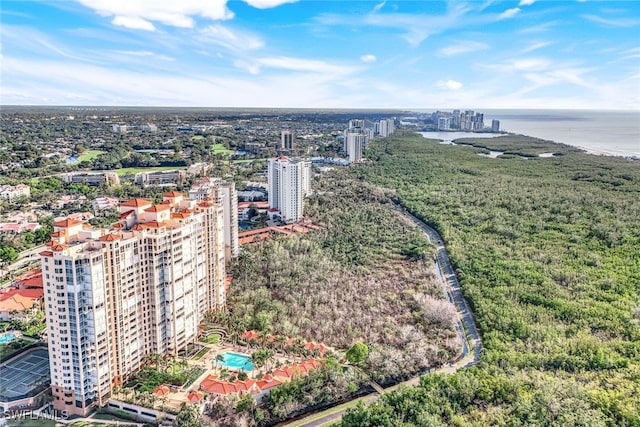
225	194
114	296
91	178
169	178
289	182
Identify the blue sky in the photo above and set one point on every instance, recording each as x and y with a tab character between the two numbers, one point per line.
332	54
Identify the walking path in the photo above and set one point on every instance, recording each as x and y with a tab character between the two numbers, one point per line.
465	327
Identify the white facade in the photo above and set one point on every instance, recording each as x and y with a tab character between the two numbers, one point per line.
386	127
289	182
112	297
225	194
355	143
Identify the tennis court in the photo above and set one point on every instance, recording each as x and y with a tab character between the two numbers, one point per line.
24	376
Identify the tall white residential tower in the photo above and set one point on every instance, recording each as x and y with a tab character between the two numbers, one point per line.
289	182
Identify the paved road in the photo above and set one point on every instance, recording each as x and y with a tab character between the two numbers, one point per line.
466	328
452	286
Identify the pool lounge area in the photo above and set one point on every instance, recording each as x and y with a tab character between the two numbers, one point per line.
236	361
6	338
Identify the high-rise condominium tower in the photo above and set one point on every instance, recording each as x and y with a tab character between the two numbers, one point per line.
286	138
289	182
355	143
223	193
115	296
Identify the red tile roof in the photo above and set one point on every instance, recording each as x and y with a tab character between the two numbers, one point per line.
110	237
136	203
158	208
195	396
212	384
19	299
267	382
123	215
173	194
31	279
161	390
66	223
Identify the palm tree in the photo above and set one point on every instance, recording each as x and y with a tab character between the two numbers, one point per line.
280	342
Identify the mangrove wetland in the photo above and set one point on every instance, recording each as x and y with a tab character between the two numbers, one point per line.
547	252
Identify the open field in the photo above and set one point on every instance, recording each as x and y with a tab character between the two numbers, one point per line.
89	155
221	149
133	171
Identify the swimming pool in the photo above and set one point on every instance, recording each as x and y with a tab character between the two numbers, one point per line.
236	361
7	338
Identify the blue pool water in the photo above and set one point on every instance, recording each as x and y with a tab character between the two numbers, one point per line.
6	338
236	361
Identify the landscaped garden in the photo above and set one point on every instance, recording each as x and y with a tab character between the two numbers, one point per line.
163	371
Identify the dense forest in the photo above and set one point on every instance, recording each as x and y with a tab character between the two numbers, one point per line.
367	276
547	253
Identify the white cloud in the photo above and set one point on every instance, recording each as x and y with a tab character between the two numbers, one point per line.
509	13
379	6
133	22
368	58
266	4
530	64
140	14
449	84
234	40
462	47
526	2
298	64
414	28
612	22
143	54
59	82
536	46
538	28
248	67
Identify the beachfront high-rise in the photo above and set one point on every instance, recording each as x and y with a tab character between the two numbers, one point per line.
114	296
289	182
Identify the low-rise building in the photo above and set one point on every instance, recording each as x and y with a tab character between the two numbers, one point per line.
12	192
91	178
169	178
18	303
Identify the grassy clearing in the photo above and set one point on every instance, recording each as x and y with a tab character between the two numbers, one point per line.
197	137
212	339
133	171
221	149
89	155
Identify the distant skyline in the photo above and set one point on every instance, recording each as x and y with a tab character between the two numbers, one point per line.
321	54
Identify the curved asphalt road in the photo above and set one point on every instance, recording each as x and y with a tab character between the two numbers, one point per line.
465	326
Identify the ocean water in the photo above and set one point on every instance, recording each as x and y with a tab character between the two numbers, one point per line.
601	132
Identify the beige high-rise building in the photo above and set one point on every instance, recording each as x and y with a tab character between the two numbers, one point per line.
223	193
289	183
112	297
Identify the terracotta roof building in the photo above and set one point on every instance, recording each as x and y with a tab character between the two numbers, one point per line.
139	288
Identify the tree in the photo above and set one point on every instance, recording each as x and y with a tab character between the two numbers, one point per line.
189	416
358	354
8	254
